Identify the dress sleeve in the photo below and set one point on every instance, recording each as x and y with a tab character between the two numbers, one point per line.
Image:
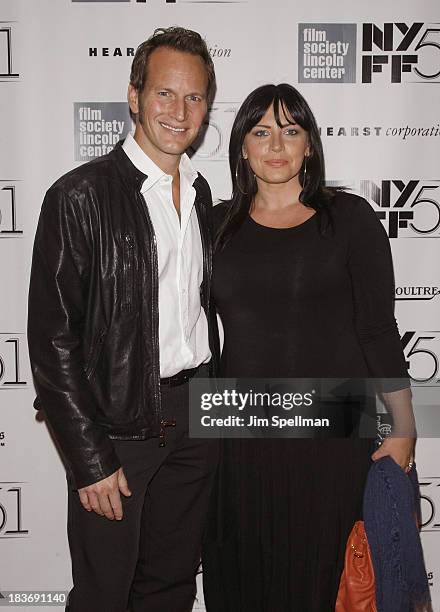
371	270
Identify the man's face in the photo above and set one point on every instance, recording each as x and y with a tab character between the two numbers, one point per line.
171	107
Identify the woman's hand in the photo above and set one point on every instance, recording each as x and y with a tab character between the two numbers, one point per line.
399	449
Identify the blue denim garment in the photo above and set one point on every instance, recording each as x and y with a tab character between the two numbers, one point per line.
391	515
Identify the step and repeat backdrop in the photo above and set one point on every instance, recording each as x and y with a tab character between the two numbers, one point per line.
371	73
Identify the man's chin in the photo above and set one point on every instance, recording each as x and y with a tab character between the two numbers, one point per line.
175	148
176	142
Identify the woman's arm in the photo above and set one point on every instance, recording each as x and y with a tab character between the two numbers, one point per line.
371	269
400	445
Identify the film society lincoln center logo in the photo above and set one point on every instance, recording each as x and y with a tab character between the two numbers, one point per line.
98	127
327	53
392	52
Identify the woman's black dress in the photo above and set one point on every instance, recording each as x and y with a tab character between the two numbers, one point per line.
296	303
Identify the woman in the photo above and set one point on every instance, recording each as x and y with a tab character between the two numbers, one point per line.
303	283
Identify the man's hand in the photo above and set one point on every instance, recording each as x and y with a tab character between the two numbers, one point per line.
103	496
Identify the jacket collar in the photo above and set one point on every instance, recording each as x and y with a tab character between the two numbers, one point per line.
132	175
128	171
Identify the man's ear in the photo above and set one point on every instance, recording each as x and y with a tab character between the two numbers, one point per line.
133	99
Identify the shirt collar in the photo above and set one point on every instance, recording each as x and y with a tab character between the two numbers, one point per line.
146	165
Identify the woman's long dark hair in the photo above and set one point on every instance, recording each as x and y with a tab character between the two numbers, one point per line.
314	194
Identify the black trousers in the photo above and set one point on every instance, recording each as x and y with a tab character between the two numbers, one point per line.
148	561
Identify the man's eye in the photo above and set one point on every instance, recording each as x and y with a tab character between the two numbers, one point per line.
164	93
195	98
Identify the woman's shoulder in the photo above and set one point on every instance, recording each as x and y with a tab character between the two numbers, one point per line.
346	200
351	207
354	216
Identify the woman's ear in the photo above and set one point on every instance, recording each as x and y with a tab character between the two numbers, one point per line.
308	151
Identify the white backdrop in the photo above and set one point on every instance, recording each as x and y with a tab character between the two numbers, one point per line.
64	62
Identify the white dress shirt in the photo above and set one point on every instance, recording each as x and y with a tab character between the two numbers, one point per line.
183	327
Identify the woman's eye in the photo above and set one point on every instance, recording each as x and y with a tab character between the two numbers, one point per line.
261	133
291	132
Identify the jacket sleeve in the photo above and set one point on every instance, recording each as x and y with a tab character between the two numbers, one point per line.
371	269
58	297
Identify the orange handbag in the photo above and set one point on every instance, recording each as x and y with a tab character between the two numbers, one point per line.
357	586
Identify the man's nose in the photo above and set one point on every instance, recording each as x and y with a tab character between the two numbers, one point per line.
179	109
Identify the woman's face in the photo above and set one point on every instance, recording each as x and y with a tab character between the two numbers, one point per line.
276	153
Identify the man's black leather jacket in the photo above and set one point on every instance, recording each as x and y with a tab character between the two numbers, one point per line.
93	312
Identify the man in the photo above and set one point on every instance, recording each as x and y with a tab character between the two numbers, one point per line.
119	321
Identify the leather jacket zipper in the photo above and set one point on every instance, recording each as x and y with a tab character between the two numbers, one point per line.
128	272
154	314
155	328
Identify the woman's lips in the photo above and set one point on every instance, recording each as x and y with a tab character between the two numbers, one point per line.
276	163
